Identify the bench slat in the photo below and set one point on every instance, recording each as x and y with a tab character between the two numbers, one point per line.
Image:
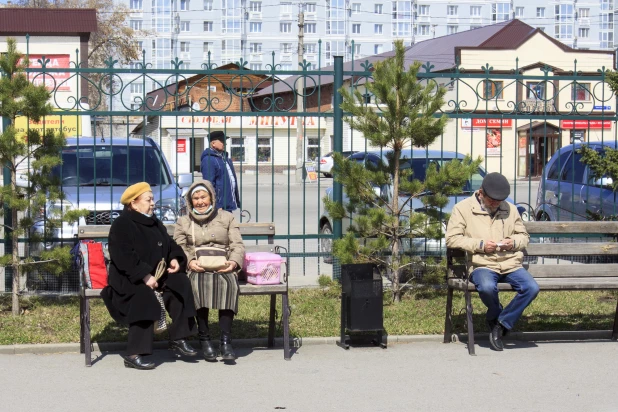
245	289
260	248
571	249
257	229
568	270
606	228
591	283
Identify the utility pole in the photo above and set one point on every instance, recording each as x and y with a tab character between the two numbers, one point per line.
300	138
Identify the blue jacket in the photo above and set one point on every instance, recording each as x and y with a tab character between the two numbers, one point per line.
214	170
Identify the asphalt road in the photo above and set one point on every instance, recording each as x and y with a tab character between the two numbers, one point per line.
424	376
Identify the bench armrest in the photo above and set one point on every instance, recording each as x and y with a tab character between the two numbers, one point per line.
287	262
455	269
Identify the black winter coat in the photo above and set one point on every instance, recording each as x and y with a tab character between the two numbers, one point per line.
137	244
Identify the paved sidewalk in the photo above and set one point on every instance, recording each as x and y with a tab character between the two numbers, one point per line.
422	376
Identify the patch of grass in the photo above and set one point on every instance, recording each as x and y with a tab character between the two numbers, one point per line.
315	312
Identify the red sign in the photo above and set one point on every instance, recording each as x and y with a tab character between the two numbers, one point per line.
585	124
489	123
52	80
181	146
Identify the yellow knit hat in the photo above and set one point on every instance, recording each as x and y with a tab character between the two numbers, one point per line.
134	191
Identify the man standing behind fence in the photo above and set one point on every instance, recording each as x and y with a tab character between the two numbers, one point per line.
217	168
492	233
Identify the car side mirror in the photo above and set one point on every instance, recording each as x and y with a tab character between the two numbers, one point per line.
604	182
185	180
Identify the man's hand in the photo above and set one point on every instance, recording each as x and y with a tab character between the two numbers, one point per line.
231	265
174	266
490	246
150	281
507	244
195	267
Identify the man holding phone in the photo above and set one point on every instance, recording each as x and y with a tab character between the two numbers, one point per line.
490	229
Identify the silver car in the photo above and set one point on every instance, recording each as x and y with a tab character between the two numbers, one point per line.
418	160
324	165
96	171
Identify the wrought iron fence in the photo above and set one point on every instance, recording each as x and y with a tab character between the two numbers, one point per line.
278	122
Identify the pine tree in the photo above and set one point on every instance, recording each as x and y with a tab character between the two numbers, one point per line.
19	97
403	116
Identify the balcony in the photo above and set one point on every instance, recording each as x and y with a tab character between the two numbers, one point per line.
255	15
584	22
452	19
184	55
285	57
423	19
286	16
136	13
311	57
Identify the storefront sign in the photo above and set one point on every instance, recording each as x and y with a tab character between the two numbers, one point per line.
51	80
602	107
205	122
585	124
67	123
488	123
181	146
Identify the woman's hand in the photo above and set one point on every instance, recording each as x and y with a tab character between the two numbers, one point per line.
174	266
195	267
231	265
150	281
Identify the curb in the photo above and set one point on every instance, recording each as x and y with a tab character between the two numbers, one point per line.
51	348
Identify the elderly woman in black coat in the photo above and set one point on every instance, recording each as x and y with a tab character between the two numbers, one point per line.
138	241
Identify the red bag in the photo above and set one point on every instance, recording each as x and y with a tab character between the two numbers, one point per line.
96	265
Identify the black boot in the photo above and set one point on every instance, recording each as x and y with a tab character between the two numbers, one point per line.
208	351
226	349
182	346
138	362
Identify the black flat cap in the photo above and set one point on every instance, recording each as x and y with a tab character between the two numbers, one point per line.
496	186
216	135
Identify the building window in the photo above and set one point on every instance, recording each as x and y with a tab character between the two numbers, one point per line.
135	106
136	5
184	47
185	26
564	21
255	6
519	12
475	11
184	5
377	9
607	40
402	17
311	48
423	10
230	50
313	147
500	12
310	7
356	28
451	10
540	12
355	50
535	90
580	92
584	14
378	48
584	33
137	88
607	21
237	151
492	89
475	27
207	47
255	47
356	8
208	5
136	24
377	29
285	8
451	29
255	27
255	66
335	48
285	47
263	150
139	45
208	26
286	66
335	16
231	13
423	30
285	27
310	28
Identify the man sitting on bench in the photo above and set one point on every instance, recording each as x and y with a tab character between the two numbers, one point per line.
492	233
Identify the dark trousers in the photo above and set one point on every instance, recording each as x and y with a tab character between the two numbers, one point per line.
226	317
141	334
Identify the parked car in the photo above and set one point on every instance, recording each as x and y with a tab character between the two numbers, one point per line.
419	160
568	191
94	174
325	163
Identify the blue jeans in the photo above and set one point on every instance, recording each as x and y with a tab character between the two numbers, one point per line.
486	282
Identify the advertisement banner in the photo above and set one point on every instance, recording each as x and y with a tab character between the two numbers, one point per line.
488	123
67	123
51	80
181	146
493	142
585	124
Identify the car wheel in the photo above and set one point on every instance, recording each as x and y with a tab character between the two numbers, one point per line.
326	244
327	175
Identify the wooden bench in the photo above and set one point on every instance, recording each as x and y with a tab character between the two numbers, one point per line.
563	275
247	229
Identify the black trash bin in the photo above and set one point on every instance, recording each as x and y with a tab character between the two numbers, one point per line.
361	302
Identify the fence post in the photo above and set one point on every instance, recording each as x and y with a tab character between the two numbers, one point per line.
337	147
8	219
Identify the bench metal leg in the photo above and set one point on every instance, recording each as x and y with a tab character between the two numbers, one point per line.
87	347
286	326
271	324
615	329
470	324
448	320
82	314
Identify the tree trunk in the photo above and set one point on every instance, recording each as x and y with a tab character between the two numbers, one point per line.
394	236
15	244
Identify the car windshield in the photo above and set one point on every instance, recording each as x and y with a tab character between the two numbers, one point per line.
111	166
419	171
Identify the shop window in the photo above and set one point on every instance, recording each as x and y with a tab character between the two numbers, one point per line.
580	92
237	151
264	149
492	89
535	90
312	148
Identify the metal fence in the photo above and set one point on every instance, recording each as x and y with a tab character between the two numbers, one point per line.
279	121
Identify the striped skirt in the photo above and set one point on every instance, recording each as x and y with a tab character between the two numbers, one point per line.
215	290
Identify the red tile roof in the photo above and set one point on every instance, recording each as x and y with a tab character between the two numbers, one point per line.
48	21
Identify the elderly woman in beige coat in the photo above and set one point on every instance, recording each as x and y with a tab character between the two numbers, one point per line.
204	225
